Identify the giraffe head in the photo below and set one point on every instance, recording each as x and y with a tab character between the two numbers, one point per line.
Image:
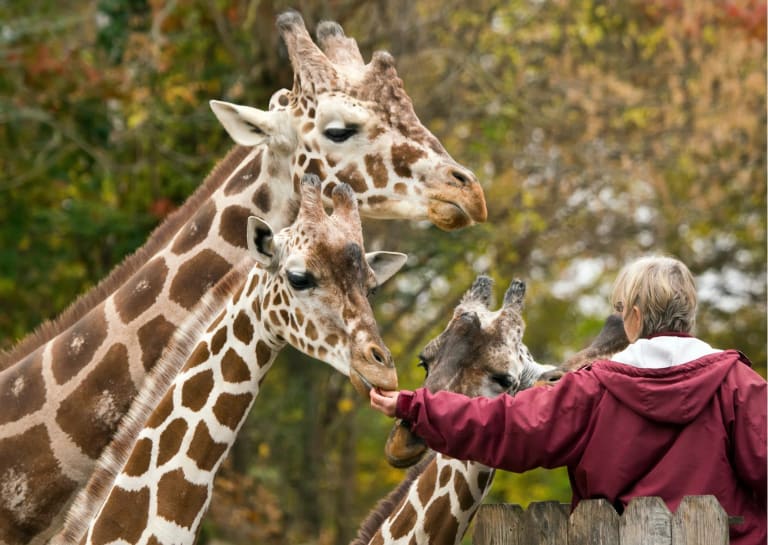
480	353
315	293
350	122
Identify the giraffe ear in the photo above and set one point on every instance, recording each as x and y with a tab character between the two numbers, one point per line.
385	264
261	241
251	127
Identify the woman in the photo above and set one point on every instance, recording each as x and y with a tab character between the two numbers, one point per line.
669	416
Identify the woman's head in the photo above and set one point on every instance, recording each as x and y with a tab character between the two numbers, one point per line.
662	289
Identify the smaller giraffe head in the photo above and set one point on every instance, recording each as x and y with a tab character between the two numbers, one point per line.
350	122
480	353
315	295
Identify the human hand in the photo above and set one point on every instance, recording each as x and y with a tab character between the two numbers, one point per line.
384	401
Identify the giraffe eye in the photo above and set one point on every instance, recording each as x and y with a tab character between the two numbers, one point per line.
301	280
340	134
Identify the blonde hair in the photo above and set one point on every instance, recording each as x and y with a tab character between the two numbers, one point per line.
663	289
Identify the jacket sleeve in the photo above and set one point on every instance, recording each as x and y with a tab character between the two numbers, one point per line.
539	427
748	429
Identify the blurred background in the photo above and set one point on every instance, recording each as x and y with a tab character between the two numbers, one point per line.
601	131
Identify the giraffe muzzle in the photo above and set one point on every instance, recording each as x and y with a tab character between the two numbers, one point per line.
456	199
374	368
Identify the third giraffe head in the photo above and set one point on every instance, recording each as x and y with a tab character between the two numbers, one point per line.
351	122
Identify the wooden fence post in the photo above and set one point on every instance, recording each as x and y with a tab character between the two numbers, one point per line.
497	524
646	521
700	520
594	522
545	523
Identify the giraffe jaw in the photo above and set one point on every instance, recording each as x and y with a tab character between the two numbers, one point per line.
403	448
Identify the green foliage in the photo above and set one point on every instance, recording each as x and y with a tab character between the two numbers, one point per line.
601	131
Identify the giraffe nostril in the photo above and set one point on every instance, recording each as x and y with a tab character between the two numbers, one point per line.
463	178
376	355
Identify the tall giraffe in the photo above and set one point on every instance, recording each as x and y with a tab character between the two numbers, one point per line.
308	288
65	389
477	354
480	353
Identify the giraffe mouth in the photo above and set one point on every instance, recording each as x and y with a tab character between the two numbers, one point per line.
361	384
450	215
403	448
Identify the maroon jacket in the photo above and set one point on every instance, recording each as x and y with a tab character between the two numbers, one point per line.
697	428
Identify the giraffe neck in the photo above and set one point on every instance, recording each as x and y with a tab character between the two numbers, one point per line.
161	484
434	504
61	404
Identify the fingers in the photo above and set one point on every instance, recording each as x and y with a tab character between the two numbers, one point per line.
384	401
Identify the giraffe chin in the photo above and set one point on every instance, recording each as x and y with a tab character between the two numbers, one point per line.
448	216
403	448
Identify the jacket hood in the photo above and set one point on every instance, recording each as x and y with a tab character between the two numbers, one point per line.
674	395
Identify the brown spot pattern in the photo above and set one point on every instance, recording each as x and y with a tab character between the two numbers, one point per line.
74	348
439	524
351	175
315	166
374	165
197	276
91	413
426	486
153	338
262	198
233	368
195	230
170	440
404	522
22	389
403	156
242	328
245	177
141	290
138	462
263	353
199	355
218	340
124	516
195	391
28	458
163	409
230	408
178	500
445	475
482	479
311	330
234	220
463	492
203	449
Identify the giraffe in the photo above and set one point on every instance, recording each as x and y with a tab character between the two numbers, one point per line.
437	500
308	288
65	388
480	353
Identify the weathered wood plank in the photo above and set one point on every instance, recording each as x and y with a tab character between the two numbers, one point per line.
545	523
646	521
497	524
700	520
594	522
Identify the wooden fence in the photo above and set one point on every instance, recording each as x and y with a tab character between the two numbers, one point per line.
699	520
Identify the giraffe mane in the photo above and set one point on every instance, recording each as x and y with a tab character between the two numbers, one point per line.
159	238
90	498
386	506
